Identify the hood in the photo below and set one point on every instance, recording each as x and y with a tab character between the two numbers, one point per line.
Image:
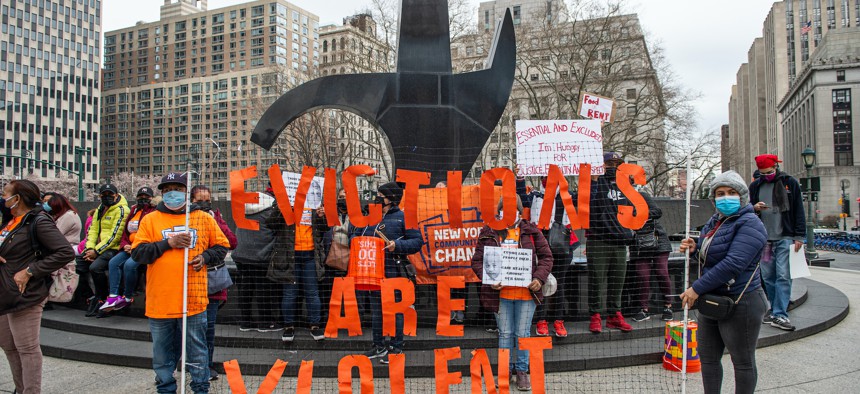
265	203
733	180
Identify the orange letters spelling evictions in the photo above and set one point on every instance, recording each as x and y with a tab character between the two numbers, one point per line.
413	179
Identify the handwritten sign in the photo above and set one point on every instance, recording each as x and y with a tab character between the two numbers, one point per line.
565	143
596	107
508	266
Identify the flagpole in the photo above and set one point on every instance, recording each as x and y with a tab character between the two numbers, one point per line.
686	279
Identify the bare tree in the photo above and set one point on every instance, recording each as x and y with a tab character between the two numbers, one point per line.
128	183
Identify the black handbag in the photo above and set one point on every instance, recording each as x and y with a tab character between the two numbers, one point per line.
647	240
719	307
559	235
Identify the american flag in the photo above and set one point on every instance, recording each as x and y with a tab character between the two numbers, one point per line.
807	27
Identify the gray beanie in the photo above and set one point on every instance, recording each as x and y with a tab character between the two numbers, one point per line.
733	180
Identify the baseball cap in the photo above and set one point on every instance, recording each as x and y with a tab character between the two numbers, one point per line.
173	177
108	187
145	190
609	156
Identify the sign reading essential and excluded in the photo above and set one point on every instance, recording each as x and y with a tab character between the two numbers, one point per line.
565	143
596	107
507	266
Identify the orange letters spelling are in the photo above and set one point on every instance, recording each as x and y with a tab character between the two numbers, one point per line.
390	308
343	294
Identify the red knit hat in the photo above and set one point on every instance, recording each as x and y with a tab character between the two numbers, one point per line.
766	161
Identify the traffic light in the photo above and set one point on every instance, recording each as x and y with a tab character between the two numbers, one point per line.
846	206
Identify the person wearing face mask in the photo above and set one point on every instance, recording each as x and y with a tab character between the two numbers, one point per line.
777	198
24	276
160	244
103	243
122	269
514	307
65	215
728	256
401	243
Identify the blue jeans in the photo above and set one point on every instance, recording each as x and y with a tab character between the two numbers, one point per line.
211	315
777	277
123	269
515	319
165	352
375	299
306	275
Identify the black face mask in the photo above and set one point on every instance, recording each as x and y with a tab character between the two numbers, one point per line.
204	205
341	204
379	200
610	172
108	200
143	201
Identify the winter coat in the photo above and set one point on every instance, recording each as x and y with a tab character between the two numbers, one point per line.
254	248
281	268
108	224
406	241
530	238
733	255
222	224
126	239
793	220
69	224
651	226
18	252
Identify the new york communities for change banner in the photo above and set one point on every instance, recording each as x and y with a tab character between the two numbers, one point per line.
565	143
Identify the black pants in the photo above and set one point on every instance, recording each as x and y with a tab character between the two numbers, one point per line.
738	334
253	285
553	307
98	271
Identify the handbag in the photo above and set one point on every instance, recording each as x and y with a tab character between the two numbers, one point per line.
64	283
559	235
218	278
719	307
338	256
405	269
549	288
647	240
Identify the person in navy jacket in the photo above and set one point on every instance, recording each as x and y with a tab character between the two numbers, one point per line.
728	256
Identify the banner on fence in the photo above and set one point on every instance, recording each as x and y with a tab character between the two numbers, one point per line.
565	143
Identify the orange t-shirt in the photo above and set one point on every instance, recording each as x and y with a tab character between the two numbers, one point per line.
9	227
512	240
164	276
304	238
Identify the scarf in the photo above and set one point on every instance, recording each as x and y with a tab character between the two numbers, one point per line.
780	196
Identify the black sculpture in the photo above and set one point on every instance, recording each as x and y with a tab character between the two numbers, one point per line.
435	121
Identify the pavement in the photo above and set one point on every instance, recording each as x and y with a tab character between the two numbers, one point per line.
823	363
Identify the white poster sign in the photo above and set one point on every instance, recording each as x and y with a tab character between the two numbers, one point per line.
313	199
596	107
565	143
508	266
797	265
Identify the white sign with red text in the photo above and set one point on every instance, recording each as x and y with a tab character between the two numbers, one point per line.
596	107
565	143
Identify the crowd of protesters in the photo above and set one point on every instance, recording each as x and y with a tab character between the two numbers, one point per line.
280	265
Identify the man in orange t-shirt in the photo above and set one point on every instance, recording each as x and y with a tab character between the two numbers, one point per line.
159	243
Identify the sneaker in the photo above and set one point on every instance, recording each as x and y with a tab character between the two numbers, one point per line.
559	328
642	316
103	314
394	350
111	302
782	323
376	352
289	334
268	327
122	303
523	383
317	333
93	307
668	314
596	325
542	329
768	318
618	322
213	374
245	327
493	330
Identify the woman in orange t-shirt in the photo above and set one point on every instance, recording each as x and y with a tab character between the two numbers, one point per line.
515	306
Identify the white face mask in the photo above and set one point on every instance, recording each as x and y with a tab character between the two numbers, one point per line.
516	217
16	202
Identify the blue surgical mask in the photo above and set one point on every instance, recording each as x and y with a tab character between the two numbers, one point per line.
46	207
728	205
174	200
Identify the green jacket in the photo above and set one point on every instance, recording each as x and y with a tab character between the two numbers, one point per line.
106	231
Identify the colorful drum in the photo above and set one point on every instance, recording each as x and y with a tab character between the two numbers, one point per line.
673	349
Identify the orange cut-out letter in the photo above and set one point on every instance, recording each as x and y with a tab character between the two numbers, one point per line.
281	197
584	196
365	373
330	198
480	365
631	217
396	373
444	284
353	202
306	377
535	347
412	179
555	184
504	371
239	197
237	384
445	379
455	199
489	202
391	308
343	294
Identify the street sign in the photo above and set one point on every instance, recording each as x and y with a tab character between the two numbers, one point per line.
813	183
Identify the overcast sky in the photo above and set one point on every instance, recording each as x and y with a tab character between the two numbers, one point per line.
705	41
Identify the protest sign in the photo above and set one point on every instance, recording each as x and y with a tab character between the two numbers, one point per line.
508	266
565	143
314	198
596	107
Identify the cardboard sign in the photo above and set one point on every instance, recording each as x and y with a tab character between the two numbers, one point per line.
565	143
508	266
596	107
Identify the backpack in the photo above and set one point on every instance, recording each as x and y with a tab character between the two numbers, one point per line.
64	281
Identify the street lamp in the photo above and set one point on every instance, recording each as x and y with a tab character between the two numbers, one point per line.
809	161
79	167
845	185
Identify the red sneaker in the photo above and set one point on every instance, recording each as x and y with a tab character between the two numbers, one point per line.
618	322
559	328
542	328
596	325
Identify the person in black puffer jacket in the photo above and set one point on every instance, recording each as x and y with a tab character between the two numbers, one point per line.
650	253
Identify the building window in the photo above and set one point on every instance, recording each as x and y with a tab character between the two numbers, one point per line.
840	75
842	128
631	94
631	110
517	14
